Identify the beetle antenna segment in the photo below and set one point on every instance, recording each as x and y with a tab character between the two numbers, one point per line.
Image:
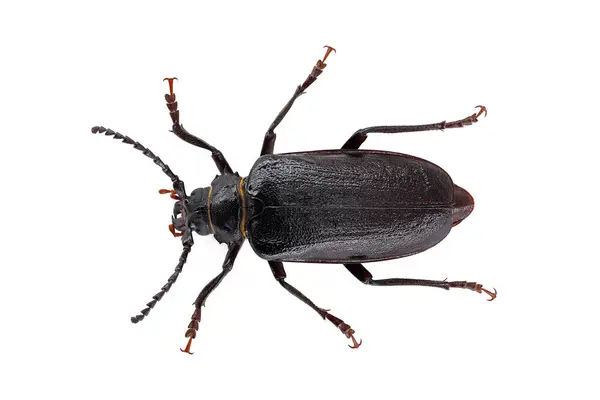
156	298
177	183
474	286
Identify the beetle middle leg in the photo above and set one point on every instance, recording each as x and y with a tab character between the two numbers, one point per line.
358	138
280	275
363	275
270	136
232	253
184	135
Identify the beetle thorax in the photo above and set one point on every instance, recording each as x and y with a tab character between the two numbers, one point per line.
196	211
224	208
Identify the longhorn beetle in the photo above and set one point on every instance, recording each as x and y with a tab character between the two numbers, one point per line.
345	206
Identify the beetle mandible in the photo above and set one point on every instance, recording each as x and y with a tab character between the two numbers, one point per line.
346	206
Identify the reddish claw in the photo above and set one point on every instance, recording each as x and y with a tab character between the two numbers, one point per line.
188	346
170	84
350	335
492	295
329	50
478	287
321	63
482	110
474	286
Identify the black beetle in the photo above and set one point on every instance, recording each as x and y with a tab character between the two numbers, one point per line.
346	206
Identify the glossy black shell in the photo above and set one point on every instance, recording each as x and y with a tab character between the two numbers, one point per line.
339	206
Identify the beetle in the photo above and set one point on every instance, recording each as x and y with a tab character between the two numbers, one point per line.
347	206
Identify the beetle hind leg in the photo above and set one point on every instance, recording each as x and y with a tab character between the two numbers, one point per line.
280	275
358	138
363	275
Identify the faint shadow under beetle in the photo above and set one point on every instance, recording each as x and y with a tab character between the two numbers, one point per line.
345	206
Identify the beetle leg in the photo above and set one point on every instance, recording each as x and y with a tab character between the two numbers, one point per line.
358	138
192	330
363	275
184	135
270	136
280	275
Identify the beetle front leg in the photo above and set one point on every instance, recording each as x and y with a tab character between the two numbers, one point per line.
363	275
184	135
232	253
358	138
270	136
280	275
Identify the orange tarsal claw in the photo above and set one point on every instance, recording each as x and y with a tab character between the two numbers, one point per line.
482	110
350	335
478	287
321	63
329	50
188	346
492	295
170	84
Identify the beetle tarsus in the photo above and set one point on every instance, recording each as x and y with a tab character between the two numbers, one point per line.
316	71
192	330
172	102
343	327
470	120
350	334
474	286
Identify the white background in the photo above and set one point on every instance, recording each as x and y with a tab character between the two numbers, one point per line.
84	233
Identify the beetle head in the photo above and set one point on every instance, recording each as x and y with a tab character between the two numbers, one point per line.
191	213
